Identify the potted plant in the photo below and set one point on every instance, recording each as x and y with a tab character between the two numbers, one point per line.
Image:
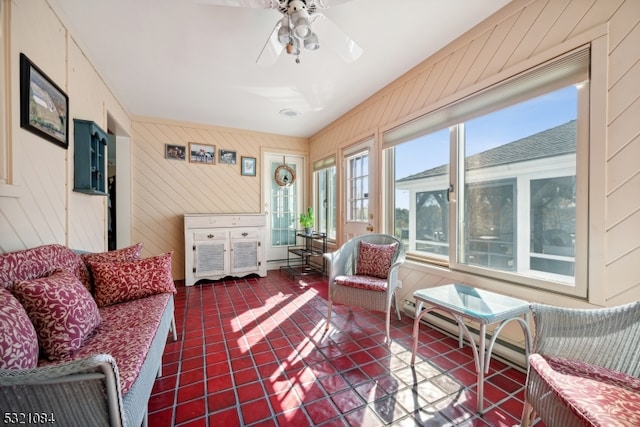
307	220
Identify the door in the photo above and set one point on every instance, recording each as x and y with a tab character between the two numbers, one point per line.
359	192
283	204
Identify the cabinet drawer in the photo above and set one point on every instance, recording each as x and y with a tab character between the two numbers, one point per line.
207	235
245	233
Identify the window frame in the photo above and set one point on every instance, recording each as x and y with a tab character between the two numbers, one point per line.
320	172
585	125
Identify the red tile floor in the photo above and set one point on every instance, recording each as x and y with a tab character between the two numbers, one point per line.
253	352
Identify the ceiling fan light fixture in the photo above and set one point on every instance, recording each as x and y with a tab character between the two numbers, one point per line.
283	35
301	24
312	42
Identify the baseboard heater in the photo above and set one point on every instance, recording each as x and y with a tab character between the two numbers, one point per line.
503	351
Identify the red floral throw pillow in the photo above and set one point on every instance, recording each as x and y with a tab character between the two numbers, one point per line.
18	340
131	253
126	281
61	309
375	260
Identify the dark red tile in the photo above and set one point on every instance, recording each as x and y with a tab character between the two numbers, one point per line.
250	391
255	411
190	410
321	410
190	392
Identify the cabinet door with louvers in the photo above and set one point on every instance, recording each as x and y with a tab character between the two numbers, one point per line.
245	253
210	258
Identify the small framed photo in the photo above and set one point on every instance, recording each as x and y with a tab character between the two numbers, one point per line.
227	157
175	152
248	166
202	153
44	107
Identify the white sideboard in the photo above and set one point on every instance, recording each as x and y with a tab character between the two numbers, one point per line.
221	245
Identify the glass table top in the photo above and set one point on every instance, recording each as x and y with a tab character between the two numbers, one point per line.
479	304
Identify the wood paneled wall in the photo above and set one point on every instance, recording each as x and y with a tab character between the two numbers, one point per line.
517	37
37	204
164	190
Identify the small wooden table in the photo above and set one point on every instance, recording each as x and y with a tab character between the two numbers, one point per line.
484	307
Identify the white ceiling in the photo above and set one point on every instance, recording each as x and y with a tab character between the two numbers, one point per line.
188	61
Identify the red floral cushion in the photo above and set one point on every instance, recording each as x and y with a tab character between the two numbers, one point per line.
596	395
37	262
18	340
131	253
61	309
375	260
363	282
126	333
126	281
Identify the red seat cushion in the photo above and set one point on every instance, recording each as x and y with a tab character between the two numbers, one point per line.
363	282
126	333
596	395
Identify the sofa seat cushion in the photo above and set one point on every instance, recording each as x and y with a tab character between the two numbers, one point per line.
363	282
126	333
29	264
598	396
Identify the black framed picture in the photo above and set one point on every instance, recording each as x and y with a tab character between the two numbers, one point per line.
44	107
248	166
175	152
227	157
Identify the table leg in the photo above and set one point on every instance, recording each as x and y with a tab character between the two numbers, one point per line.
416	330
481	364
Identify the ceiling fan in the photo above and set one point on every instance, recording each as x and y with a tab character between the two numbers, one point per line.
295	30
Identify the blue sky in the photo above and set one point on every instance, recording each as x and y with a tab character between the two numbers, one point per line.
488	131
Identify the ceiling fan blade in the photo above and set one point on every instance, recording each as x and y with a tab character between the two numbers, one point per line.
272	48
334	38
252	4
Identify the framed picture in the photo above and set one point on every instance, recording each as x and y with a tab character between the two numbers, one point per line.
248	166
175	152
227	157
202	153
44	107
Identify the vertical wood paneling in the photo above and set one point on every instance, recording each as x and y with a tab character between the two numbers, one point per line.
164	190
520	31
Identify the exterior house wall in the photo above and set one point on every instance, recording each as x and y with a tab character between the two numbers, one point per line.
522	35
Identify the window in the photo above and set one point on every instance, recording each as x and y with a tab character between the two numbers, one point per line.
324	182
489	185
358	187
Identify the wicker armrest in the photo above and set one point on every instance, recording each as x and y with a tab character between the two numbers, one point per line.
72	392
608	337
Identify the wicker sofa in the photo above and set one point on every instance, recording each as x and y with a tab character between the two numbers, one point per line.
90	349
584	369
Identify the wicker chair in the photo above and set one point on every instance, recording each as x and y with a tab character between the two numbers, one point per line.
574	349
347	284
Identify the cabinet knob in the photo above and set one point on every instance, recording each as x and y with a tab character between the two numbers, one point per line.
245	234
210	236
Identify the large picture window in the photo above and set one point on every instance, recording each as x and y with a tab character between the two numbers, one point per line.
489	185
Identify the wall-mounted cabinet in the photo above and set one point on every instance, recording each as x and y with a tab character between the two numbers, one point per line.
90	144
